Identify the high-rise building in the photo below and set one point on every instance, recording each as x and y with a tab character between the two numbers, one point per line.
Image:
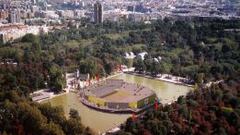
45	6
131	8
34	2
98	12
14	16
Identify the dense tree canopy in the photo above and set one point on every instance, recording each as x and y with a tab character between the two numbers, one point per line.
202	50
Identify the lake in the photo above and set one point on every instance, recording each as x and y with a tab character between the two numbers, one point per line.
100	122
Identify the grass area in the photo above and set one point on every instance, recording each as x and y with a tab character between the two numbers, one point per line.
173	53
72	44
211	40
116	36
227	109
87	42
138	45
129	48
82	42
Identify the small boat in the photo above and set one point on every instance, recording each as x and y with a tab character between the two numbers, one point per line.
114	130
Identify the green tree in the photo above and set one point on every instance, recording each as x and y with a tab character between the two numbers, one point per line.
57	79
74	114
52	129
31	38
199	78
155	68
139	65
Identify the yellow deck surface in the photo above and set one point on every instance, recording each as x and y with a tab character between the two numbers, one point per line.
118	96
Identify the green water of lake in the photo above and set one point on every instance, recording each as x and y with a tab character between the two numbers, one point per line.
100	122
165	91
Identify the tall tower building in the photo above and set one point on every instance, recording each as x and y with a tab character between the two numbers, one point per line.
14	16
98	12
34	2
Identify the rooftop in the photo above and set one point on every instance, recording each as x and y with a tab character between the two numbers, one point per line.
115	90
